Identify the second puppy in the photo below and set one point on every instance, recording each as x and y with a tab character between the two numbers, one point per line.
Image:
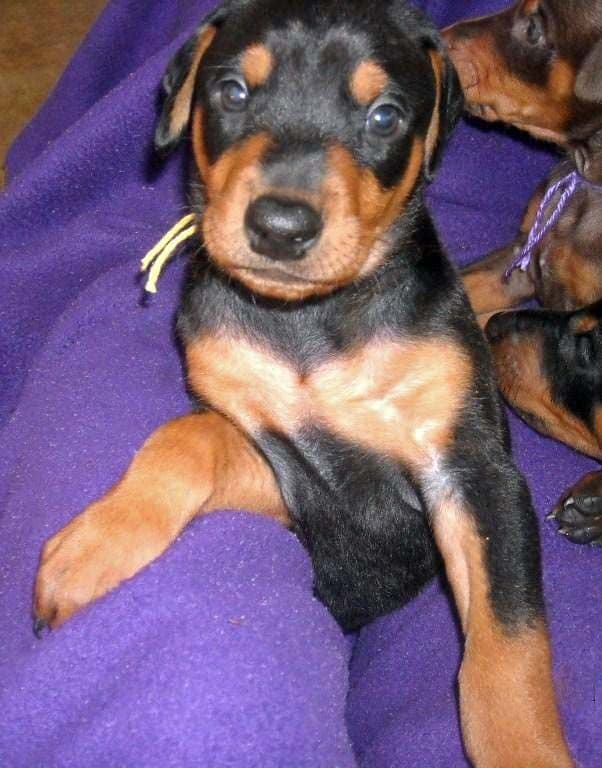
538	66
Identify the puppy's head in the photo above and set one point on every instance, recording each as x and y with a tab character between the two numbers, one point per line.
313	125
549	368
536	65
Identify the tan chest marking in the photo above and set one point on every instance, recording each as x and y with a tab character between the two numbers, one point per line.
400	399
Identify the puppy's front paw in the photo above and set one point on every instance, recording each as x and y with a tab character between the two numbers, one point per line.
579	511
93	554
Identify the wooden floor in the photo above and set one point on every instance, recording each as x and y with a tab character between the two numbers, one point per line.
37	39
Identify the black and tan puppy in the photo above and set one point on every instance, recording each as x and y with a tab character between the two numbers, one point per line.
346	388
538	66
550	370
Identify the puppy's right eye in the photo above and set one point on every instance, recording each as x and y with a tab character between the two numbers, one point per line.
384	121
534	31
234	96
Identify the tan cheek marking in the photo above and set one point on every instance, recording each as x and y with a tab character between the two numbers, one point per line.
229	169
374	206
180	112
254	388
367	82
527	105
357	212
380	207
257	64
432	135
524	385
400	399
230	185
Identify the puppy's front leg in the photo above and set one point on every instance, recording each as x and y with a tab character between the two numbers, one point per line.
489	543
188	466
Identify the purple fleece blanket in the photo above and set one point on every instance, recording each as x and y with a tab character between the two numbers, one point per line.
217	654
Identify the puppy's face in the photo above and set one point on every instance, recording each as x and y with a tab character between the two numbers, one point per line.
549	368
537	65
312	125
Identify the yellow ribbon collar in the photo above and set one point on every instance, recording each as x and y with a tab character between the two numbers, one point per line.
157	257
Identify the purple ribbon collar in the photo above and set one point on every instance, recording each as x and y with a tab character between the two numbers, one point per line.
542	225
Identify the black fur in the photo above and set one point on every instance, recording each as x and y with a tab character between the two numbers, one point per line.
569	346
364	518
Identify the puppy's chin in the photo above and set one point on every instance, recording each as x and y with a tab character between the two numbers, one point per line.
276	283
321	272
315	276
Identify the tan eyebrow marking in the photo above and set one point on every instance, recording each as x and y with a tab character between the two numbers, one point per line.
367	82
257	64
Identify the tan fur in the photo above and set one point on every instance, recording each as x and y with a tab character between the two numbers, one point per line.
356	210
494	93
507	704
488	289
188	466
257	64
180	113
398	398
584	323
354	193
522	381
577	276
432	135
367	82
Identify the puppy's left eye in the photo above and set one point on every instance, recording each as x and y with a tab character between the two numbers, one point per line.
384	121
234	96
534	31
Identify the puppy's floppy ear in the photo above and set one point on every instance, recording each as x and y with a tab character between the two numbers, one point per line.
448	105
179	81
588	85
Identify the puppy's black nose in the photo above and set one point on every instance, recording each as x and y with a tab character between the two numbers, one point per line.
281	229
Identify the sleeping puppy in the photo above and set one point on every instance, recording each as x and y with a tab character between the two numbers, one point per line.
549	367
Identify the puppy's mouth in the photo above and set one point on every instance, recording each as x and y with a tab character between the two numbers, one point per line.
278	283
278	275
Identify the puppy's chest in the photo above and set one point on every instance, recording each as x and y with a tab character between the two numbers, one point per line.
399	398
